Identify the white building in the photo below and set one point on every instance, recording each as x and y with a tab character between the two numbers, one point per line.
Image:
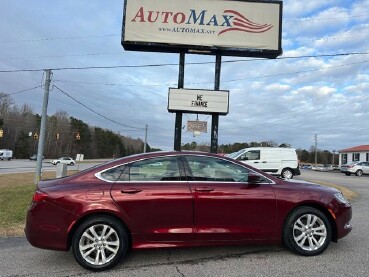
355	154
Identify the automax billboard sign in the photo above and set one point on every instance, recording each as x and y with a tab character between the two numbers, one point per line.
229	27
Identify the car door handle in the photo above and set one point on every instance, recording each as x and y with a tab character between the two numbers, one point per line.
204	189
256	162
264	162
131	190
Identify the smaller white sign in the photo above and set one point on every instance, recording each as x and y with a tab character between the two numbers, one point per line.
198	101
197	126
80	157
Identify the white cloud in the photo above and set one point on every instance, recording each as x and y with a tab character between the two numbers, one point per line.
296	8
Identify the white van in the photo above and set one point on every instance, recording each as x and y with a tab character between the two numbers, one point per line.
277	161
6	154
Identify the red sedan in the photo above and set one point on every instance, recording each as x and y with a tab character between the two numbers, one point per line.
177	199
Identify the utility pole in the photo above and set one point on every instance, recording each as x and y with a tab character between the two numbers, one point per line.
146	127
316	148
41	141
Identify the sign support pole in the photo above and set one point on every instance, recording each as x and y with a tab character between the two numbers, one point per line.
215	117
178	123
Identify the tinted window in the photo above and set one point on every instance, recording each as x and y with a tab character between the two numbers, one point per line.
213	169
113	174
156	169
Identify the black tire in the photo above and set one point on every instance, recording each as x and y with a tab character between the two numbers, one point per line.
359	172
72	163
313	238
348	173
116	241
287	173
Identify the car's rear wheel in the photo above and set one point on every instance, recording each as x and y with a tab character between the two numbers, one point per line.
359	173
348	173
100	243
307	231
72	163
287	173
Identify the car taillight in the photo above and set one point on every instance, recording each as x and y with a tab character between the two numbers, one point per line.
39	196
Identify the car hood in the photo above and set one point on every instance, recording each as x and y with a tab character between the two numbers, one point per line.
305	184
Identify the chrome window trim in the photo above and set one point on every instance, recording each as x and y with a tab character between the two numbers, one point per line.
98	174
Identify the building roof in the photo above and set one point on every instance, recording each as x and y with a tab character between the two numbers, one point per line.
360	148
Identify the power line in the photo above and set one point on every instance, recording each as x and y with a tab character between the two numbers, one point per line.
223	81
295	72
176	64
90	109
312	112
8	94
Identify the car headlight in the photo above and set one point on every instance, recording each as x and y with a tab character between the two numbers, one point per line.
340	198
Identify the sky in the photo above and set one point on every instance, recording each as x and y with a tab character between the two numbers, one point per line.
319	85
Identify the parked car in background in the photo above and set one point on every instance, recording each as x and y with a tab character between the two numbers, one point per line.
273	160
34	157
6	154
64	160
192	199
358	168
305	166
322	167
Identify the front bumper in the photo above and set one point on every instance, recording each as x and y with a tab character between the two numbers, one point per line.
343	220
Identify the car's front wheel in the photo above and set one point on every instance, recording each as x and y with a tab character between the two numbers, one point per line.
100	243
359	173
307	231
72	163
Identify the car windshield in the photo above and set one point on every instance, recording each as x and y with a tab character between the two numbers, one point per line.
235	154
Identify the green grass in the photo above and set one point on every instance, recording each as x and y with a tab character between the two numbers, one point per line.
14	202
16	191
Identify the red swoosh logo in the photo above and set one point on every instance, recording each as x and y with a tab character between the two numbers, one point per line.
243	24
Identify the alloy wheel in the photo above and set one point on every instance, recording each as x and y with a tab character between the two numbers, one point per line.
99	244
309	232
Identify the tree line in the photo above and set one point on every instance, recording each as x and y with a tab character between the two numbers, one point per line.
68	136
65	135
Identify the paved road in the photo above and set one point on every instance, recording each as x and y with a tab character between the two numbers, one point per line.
17	166
349	257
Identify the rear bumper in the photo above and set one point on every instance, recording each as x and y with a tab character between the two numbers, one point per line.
47	226
296	171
